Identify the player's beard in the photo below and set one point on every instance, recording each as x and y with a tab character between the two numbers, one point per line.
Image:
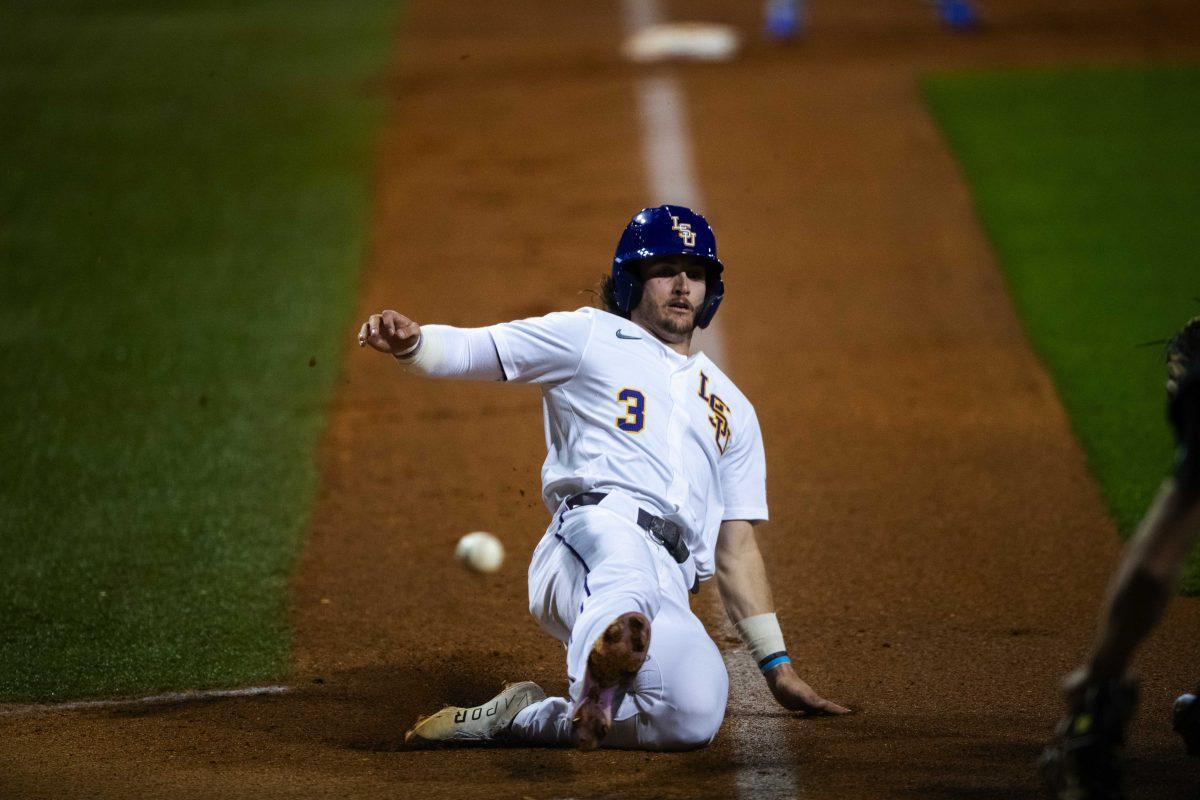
675	325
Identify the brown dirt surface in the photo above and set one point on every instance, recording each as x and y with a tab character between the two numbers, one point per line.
938	548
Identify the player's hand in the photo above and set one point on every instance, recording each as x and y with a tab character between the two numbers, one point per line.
389	332
796	695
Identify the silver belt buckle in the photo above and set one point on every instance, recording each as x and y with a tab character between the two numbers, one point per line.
658	527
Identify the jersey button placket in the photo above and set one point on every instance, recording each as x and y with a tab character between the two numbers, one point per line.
677	491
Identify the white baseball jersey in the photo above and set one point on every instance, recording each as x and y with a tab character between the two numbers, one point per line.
623	411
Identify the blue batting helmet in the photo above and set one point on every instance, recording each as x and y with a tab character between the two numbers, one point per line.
666	231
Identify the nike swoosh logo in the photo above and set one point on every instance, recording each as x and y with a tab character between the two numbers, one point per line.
621	335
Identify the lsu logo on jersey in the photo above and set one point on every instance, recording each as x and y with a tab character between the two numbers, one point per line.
684	230
719	419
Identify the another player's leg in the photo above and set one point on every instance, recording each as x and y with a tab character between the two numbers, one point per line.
1183	411
1083	761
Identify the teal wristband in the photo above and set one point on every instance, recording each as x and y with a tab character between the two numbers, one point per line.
774	660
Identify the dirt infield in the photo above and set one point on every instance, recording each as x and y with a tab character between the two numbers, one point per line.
938	548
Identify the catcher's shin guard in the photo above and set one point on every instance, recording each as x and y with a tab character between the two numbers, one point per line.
1083	761
612	665
1185	719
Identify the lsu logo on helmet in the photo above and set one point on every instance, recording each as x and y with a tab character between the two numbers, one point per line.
685	231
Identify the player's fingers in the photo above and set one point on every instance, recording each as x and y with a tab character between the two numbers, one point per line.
373	325
386	326
400	323
362	335
823	706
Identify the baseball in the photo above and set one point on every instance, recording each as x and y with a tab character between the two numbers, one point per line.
480	552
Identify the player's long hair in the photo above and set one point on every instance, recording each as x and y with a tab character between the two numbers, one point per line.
608	296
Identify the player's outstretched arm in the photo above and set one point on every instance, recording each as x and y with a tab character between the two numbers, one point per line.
742	580
439	351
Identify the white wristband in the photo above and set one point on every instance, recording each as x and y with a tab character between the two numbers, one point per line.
764	639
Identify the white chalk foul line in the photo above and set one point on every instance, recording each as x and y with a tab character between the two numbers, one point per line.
171	698
671	175
667	153
667	141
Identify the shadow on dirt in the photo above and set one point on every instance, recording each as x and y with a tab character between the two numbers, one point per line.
365	709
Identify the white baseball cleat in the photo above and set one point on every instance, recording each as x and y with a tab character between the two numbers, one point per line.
483	723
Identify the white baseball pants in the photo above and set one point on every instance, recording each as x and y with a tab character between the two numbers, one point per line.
594	564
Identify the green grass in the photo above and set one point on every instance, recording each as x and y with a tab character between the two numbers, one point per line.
183	197
1088	184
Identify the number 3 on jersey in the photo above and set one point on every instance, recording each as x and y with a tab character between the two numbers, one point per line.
634	418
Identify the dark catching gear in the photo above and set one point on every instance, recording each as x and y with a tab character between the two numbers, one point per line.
1183	401
1083	762
667	231
1185	719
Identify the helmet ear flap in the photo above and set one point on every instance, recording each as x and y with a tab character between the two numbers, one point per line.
627	291
712	301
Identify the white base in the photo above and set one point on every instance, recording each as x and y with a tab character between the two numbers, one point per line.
695	41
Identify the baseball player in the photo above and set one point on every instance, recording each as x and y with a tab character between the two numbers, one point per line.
655	478
1082	761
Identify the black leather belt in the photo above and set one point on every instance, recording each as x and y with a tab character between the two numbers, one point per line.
663	531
